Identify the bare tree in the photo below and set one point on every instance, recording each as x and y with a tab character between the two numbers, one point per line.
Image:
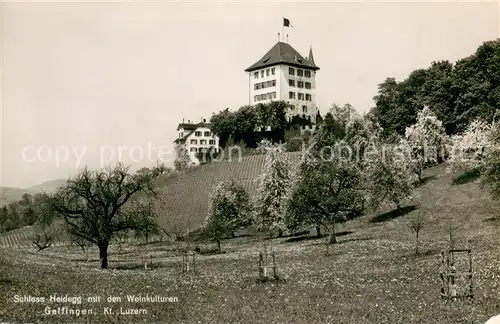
99	205
42	241
417	222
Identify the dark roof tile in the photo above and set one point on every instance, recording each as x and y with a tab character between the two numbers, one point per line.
284	53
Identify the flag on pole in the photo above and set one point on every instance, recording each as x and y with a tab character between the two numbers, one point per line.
286	23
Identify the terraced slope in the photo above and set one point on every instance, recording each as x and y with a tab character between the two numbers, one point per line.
184	200
18	239
184	197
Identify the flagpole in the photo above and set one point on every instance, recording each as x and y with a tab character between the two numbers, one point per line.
282	27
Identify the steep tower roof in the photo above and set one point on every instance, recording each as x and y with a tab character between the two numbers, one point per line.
283	53
311	56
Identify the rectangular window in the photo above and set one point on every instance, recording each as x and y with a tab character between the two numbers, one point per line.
211	142
274	83
308	85
269	84
255	86
255	98
291	83
291	95
308	97
206	134
203	142
256	75
193	141
301	96
193	149
300	84
307	74
267	72
273	95
272	71
300	72
304	109
291	71
197	133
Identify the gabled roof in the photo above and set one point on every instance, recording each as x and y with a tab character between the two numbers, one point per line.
189	127
183	138
284	53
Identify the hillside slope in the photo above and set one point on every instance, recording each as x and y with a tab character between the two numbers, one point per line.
371	276
184	196
48	186
11	194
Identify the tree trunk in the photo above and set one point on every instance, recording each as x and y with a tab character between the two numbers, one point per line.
280	232
103	254
318	231
416	248
333	237
147	238
233	234
218	246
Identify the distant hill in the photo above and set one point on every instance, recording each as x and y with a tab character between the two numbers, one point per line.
12	194
184	195
48	186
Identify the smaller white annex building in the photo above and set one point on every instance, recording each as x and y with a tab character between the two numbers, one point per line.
197	137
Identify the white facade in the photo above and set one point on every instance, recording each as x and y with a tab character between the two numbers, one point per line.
201	139
294	85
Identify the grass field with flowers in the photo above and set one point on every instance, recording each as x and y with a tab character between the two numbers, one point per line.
371	276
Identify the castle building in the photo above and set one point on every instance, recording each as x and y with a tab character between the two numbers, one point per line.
283	74
198	137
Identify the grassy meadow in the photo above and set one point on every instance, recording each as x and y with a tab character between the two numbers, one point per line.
371	276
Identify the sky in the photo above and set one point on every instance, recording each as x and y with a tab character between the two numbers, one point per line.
87	84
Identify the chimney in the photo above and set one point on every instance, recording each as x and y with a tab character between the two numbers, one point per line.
204	120
183	120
